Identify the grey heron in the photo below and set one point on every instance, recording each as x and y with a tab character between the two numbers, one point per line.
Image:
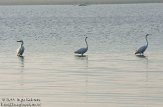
82	50
142	49
21	49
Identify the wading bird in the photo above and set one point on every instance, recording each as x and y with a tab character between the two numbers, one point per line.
142	49
82	50
20	50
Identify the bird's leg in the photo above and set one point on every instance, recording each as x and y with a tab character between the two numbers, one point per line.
19	55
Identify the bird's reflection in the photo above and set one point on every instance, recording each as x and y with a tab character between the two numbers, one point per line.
141	56
81	56
84	59
145	59
21	80
146	66
21	61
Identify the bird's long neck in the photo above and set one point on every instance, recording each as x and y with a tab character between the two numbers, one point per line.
146	40
22	43
86	42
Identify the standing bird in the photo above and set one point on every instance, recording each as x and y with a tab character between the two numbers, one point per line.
142	49
20	50
82	50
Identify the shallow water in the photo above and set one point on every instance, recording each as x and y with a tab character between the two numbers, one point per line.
110	75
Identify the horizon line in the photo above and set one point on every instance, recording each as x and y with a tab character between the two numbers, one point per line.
82	3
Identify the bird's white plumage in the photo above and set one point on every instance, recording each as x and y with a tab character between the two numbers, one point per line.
21	49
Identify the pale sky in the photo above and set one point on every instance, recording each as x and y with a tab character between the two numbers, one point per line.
46	2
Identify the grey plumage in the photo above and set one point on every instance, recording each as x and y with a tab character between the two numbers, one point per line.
142	49
82	50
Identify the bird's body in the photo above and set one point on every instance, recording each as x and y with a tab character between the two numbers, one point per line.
21	49
82	50
142	49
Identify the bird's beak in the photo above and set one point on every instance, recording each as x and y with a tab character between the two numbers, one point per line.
18	41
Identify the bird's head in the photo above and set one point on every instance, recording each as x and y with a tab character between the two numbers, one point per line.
20	41
86	37
148	34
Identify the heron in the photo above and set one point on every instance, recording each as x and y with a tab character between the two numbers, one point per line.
21	49
142	49
82	50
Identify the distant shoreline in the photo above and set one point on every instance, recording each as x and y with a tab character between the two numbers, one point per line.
73	2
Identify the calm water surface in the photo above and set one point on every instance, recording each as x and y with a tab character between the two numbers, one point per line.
110	75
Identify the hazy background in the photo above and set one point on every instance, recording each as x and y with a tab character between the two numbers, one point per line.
53	2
